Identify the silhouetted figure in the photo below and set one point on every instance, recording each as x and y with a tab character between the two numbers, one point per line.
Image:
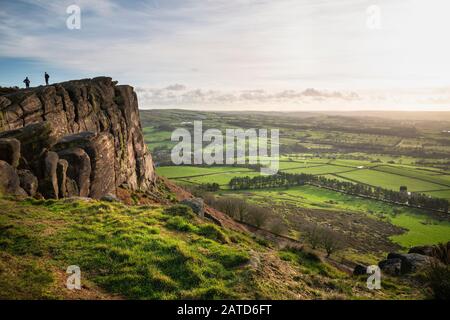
46	78
27	82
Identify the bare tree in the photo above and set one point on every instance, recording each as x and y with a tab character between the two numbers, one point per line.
331	241
313	235
257	216
241	208
278	226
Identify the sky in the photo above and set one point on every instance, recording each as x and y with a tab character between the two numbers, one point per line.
239	54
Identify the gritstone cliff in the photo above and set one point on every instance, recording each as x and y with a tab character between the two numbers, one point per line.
77	138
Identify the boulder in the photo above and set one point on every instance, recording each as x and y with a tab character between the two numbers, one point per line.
10	151
9	180
391	266
28	182
110	198
196	204
440	251
424	250
359	270
411	262
79	169
48	179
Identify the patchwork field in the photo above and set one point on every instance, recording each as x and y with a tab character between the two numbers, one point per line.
387	155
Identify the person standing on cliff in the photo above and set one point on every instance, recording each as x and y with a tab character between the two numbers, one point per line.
27	82
46	78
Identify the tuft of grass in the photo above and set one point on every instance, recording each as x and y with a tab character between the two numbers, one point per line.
212	232
180	224
179	210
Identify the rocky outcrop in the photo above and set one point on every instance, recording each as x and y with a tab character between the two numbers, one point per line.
77	138
404	263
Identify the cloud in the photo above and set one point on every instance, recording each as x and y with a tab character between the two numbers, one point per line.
292	100
176	87
181	96
230	47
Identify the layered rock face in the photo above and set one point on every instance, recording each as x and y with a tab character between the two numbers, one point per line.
77	138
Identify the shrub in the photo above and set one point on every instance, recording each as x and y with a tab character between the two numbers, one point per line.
257	216
234	207
441	251
278	226
438	278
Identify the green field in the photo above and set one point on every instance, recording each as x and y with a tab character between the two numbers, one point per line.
318	169
389	181
420	228
190	171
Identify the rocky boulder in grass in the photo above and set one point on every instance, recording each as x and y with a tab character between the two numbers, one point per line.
391	266
196	204
404	263
440	251
411	262
423	250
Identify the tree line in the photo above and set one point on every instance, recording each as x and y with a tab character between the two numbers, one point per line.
284	179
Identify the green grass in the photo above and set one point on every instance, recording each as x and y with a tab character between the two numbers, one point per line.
189	171
153	252
421	230
136	252
445	194
222	179
389	180
323	169
418	174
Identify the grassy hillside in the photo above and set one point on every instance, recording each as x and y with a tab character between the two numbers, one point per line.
155	252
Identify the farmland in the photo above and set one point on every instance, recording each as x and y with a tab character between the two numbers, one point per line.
386	153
